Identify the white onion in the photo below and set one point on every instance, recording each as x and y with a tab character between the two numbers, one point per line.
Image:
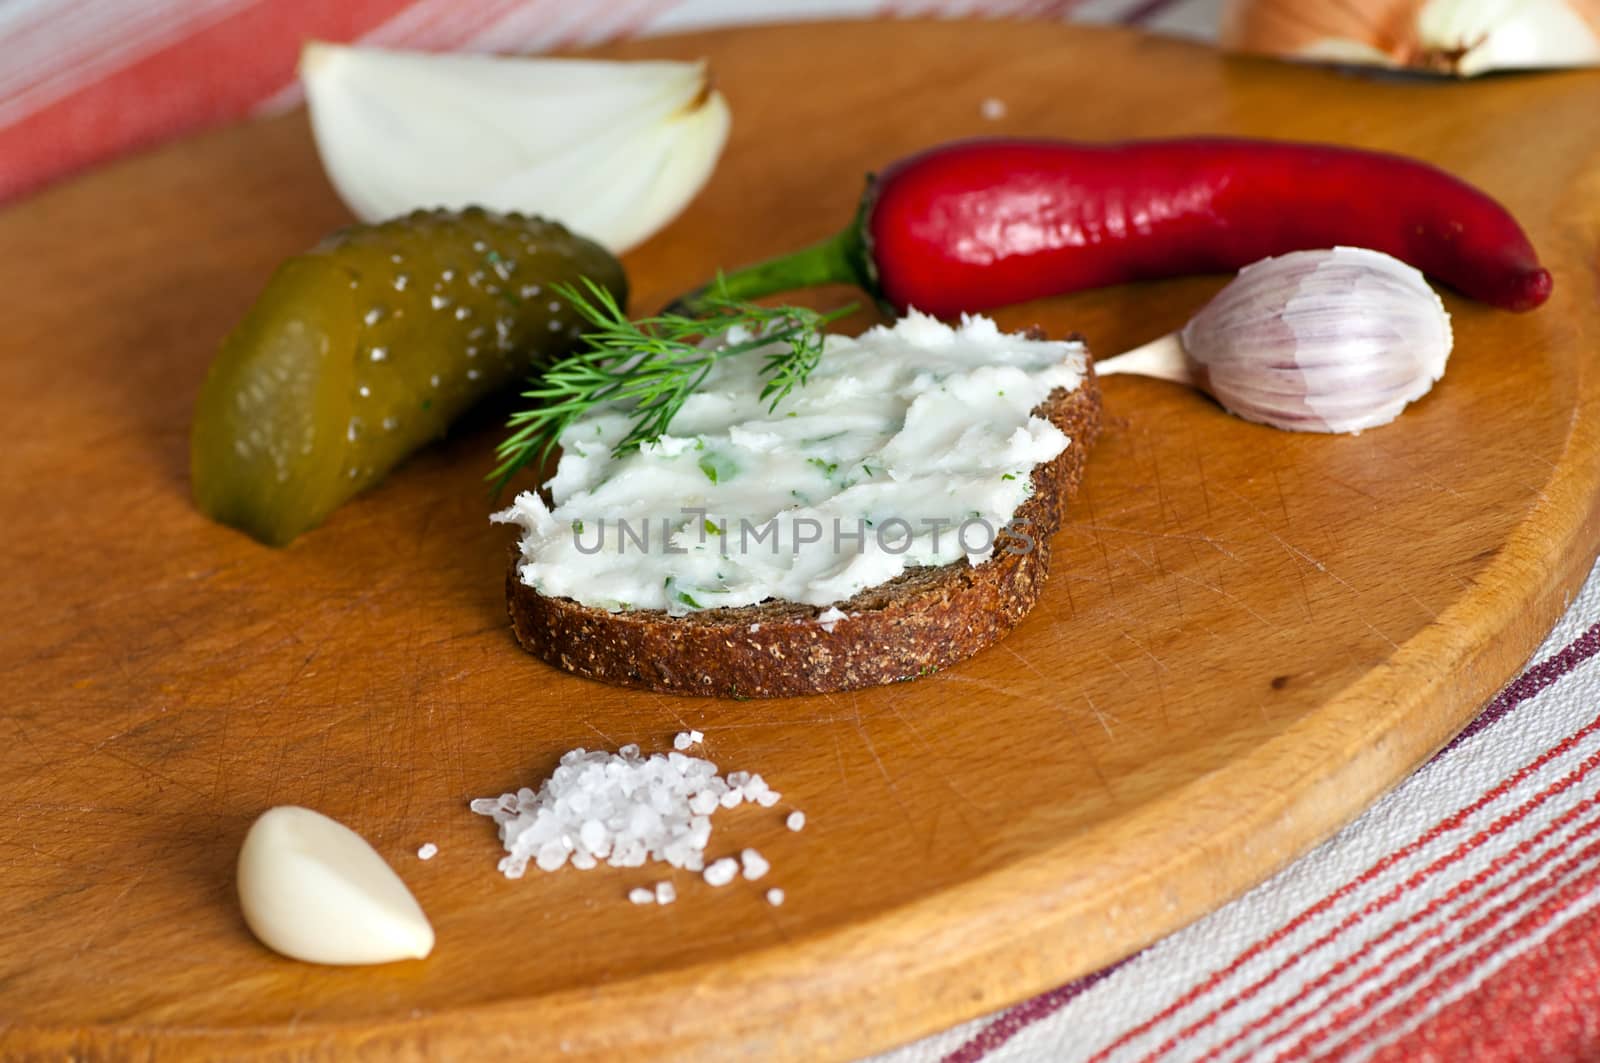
612	150
1459	38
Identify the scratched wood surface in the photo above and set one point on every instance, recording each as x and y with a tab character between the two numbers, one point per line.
1248	635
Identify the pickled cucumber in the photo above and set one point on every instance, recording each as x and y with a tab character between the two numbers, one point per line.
368	346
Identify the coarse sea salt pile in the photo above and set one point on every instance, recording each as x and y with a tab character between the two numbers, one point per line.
621	809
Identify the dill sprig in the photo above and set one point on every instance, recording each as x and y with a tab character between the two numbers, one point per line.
653	365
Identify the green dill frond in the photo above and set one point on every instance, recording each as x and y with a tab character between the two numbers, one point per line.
652	365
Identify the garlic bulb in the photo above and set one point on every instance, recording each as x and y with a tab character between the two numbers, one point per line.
1315	341
612	150
1452	37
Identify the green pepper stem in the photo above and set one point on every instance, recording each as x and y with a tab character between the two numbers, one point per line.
843	258
833	261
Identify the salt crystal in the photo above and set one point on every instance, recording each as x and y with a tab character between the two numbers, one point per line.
829	618
775	897
755	789
796	820
640	895
721	872
666	893
428	851
755	865
682	740
624	809
699	831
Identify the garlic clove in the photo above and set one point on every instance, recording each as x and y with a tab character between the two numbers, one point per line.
1452	37
1327	341
313	889
1337	340
612	150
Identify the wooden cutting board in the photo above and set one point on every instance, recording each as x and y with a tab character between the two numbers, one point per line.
1248	637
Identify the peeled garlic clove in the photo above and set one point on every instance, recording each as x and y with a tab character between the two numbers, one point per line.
1321	341
1455	37
313	889
613	150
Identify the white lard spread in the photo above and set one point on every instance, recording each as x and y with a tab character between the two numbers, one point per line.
910	445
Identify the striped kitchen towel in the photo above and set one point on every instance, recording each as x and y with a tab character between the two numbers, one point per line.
1458	919
83	81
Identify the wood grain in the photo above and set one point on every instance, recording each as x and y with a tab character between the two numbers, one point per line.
1248	636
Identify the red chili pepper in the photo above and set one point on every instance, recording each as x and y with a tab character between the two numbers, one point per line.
981	223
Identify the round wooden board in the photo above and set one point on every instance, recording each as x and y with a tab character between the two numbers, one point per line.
1248	636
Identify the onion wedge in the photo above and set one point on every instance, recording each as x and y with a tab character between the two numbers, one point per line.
612	150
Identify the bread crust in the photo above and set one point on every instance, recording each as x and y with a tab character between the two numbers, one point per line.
922	621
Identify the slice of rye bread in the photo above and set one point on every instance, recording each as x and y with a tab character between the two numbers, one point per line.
917	623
